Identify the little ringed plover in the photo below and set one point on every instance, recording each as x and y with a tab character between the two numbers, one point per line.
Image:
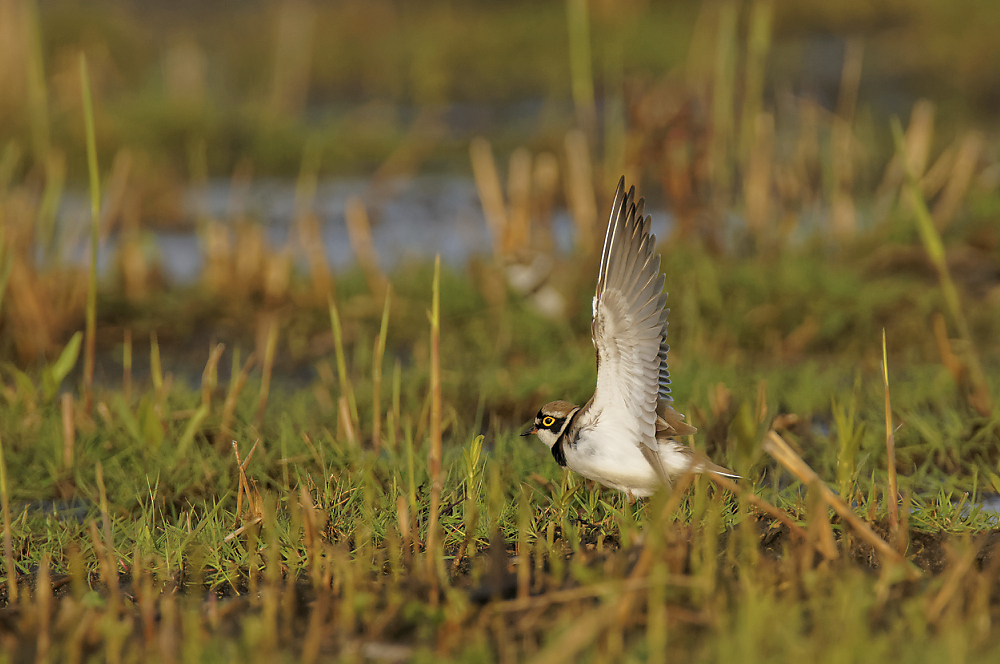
623	437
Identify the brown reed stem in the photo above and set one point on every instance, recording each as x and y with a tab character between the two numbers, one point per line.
434	451
236	384
270	346
155	370
105	543
890	448
68	430
377	373
776	446
360	236
962	172
95	222
210	375
484	171
8	545
43	605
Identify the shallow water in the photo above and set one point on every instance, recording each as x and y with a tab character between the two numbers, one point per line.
413	218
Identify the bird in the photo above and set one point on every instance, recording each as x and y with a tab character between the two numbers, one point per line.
624	436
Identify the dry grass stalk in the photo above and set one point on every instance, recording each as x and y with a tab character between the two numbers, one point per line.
254	512
277	275
292	59
345	425
155	369
850	79
8	544
583	632
980	397
918	139
210	375
43	608
524	513
758	44
600	589
484	170
545	180
948	358
379	355
519	202
890	449
843	214
760	410
346	387
580	191
104	547
936	177
776	446
68	430
217	274
115	192
39	307
434	449
95	217
954	192
311	528
270	347
249	259
360	235
236	384
820	534
127	365
913	159
403	522
311	239
761	504
757	180
642	566
316	630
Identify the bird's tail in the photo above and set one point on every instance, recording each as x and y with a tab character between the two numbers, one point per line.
706	466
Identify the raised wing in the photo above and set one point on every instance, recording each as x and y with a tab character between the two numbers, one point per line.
630	324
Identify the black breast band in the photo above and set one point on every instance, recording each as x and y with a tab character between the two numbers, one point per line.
558	453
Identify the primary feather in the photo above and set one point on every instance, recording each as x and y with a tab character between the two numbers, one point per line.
629	327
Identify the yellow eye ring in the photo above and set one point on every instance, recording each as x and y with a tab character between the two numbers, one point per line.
548	421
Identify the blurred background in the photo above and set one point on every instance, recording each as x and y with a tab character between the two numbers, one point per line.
257	159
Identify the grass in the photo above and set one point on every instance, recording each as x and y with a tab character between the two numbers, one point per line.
283	464
159	539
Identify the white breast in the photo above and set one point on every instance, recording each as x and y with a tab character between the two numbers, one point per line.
610	454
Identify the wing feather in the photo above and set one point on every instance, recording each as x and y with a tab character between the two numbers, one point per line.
630	323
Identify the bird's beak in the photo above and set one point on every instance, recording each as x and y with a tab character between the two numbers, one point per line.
530	431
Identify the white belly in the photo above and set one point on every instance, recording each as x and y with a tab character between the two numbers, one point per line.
620	464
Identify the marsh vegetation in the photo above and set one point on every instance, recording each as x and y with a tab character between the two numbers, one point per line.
281	459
